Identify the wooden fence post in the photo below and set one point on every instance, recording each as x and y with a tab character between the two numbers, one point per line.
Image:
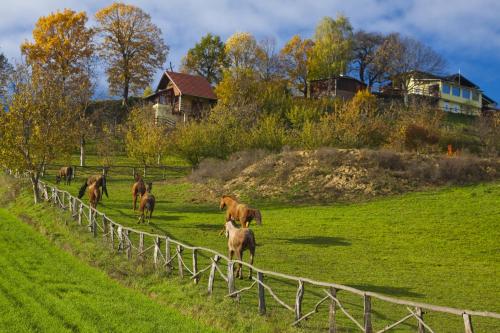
262	295
120	238
195	266
298	300
94	223
104	226
168	256
156	253
367	314
129	244
62	200
179	261
332	312
420	314
80	212
112	234
211	277
140	250
230	276
468	323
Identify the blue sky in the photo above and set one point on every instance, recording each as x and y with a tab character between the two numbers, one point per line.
465	32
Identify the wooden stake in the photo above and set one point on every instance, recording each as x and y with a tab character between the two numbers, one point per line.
298	300
262	295
230	276
129	244
468	323
168	266
211	277
367	315
195	266
332	312
156	253
179	261
420	314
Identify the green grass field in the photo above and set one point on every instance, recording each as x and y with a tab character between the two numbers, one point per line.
44	289
439	247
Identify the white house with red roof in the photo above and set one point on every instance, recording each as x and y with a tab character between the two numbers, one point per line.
181	96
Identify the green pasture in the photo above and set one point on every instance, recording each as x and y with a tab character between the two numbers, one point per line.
439	247
44	289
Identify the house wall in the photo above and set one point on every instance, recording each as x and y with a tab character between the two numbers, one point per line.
448	101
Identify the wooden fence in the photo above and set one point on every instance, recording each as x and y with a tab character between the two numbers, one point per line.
169	254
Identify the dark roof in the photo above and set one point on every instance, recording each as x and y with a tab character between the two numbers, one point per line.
343	77
454	78
191	85
488	100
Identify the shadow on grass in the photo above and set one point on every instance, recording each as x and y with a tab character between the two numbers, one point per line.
321	241
385	290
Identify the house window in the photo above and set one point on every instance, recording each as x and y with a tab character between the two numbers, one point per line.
466	93
455	91
475	95
456	109
445	88
446	106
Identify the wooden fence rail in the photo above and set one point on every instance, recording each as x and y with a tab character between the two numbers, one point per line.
112	231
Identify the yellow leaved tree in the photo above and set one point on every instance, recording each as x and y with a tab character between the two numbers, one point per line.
36	129
63	48
132	47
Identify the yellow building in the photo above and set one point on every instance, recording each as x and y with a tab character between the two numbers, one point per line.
453	93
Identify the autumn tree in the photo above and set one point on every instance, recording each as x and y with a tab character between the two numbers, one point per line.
145	139
368	60
131	46
35	131
207	58
294	58
268	60
404	56
63	46
332	50
5	71
242	51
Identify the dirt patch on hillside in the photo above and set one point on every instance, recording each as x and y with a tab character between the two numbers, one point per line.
329	174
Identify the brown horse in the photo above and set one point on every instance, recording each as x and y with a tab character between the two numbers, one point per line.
100	180
138	189
239	212
65	173
147	204
94	195
239	240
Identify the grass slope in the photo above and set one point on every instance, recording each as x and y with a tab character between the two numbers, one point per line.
43	289
437	247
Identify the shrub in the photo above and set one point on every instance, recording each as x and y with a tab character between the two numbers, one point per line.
416	136
466	169
269	133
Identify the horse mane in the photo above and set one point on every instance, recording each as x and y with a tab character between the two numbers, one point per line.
82	190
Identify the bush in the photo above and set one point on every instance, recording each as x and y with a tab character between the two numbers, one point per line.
466	170
417	136
269	133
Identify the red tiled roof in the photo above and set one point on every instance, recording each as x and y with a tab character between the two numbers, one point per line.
192	85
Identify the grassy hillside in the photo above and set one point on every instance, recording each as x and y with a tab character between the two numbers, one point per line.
44	289
438	246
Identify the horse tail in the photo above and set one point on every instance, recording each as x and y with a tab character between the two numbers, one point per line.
257	216
82	190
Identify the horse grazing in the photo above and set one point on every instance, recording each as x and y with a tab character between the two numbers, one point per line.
239	212
138	189
94	195
65	173
100	180
238	241
147	204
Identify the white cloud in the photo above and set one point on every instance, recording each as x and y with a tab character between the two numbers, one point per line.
462	30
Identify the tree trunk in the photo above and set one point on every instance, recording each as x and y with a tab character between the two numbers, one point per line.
125	94
34	183
158	161
82	151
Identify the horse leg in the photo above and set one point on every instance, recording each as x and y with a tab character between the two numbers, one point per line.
240	258
134	199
